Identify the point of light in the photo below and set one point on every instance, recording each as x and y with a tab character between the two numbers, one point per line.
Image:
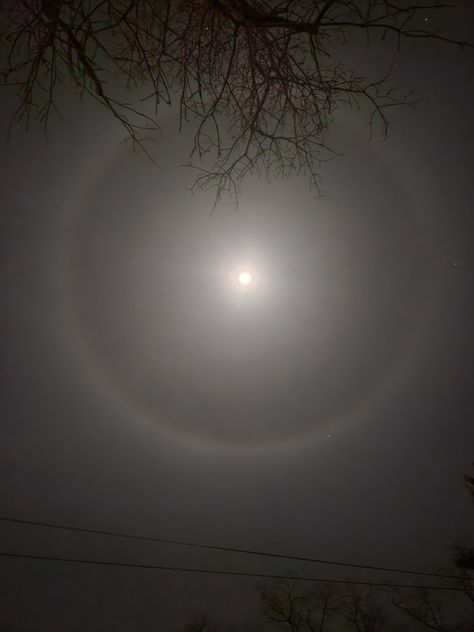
244	278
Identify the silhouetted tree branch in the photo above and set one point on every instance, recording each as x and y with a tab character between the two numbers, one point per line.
362	608
261	80
295	609
292	607
430	612
464	553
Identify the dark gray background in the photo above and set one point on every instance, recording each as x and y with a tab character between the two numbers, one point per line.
328	412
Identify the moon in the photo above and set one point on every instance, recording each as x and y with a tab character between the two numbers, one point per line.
244	278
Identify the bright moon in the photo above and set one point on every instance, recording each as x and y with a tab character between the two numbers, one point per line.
245	278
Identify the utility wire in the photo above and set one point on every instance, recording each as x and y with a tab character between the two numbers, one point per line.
208	571
227	549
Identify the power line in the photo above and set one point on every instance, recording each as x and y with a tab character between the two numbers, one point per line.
209	571
227	549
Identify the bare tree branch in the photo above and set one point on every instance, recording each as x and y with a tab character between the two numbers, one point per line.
260	81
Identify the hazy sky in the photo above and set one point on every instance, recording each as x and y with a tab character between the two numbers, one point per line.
326	411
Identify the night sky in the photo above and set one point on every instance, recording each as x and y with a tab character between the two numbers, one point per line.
324	411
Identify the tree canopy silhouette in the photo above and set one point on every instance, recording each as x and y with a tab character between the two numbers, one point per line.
261	80
292	607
